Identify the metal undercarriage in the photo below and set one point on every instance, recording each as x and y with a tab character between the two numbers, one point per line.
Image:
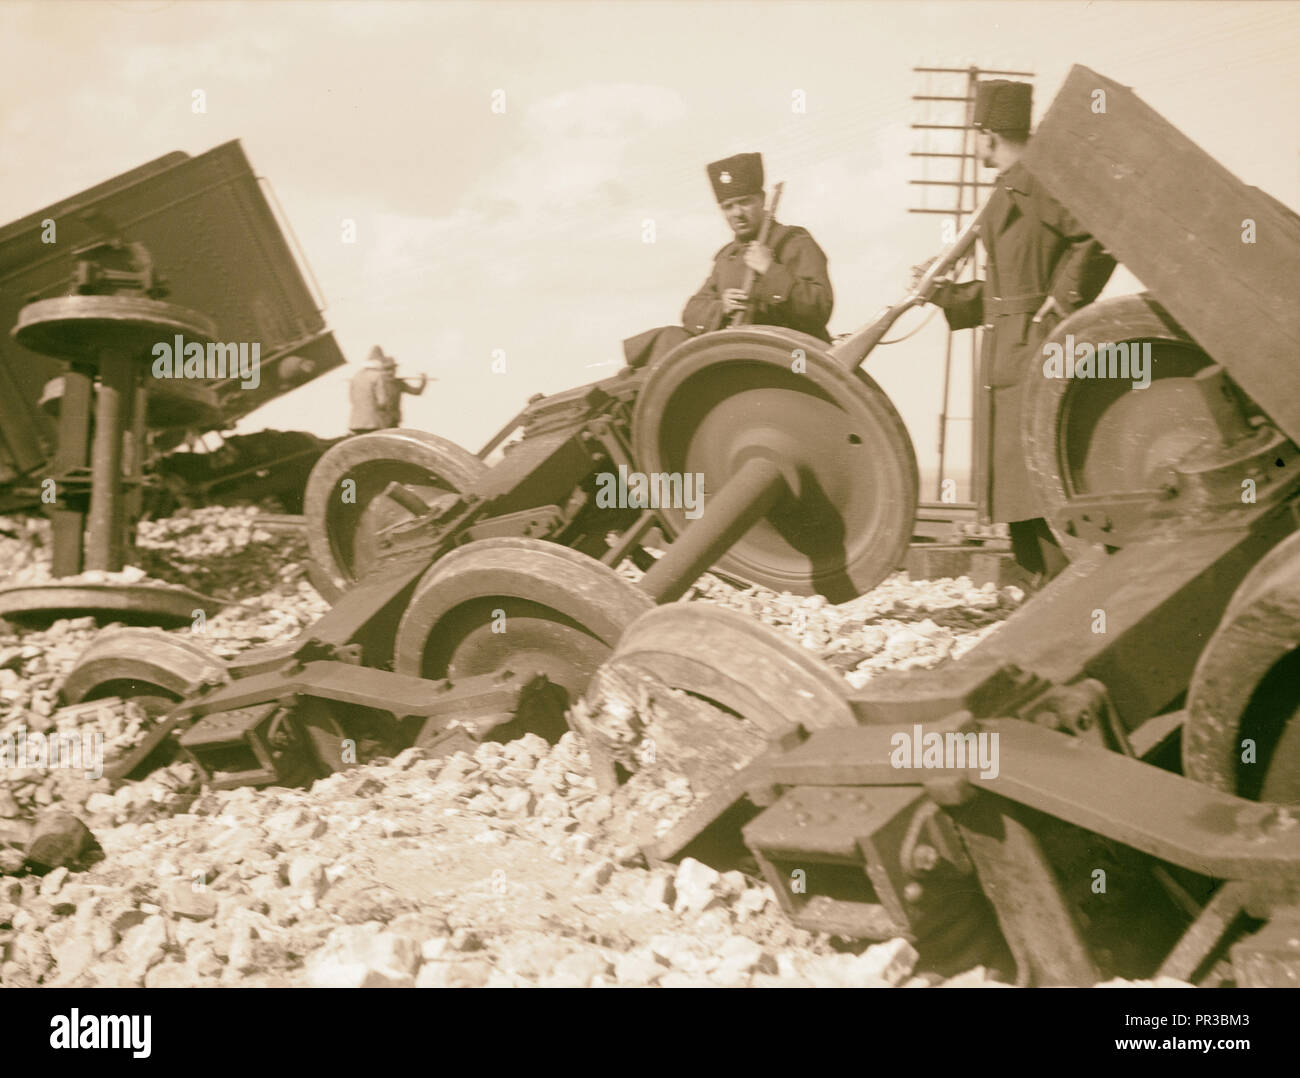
1108	784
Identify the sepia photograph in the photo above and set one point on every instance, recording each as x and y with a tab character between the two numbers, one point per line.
721	494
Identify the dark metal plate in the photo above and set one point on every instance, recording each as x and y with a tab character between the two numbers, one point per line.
78	327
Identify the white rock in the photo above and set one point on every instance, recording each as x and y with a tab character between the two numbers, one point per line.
74	956
841	971
169	975
592	878
1119	982
660	892
579	967
891	961
753	901
182	900
744	955
143	946
100	802
408	758
307	875
973	978
695	886
387	978
394	951
640	967
517	803
551	806
52	881
295	825
472	973
332	972
732	884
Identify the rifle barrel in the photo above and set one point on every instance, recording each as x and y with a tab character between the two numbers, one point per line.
764	231
853	350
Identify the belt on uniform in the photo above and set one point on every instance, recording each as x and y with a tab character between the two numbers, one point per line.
996	306
1004	306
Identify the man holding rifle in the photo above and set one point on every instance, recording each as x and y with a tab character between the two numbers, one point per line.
1042	266
785	270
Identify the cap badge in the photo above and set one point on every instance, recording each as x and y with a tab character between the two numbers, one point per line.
725	177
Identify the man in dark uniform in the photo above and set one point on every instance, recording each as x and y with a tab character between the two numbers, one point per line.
793	287
1042	266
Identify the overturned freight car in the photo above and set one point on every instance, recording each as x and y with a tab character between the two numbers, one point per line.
208	226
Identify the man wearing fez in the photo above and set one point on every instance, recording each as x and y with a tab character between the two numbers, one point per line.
793	288
1042	266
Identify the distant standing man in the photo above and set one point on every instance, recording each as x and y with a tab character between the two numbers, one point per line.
793	287
376	393
1042	266
371	395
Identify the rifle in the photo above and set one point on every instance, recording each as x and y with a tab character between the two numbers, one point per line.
751	278
853	350
407	379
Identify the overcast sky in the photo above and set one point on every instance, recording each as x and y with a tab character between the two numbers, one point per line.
523	231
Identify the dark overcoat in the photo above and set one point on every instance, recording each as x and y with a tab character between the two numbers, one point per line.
1035	248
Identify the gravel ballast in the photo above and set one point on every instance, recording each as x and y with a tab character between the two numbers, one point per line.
504	866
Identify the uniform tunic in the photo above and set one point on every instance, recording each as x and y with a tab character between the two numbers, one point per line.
794	292
1035	248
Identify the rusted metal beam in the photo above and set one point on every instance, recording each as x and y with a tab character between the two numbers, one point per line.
1017	878
347	683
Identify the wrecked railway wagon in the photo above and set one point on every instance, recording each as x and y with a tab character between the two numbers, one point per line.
208	228
1107	784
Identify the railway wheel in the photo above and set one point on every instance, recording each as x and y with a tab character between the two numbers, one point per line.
719	402
349	502
517	604
152	669
1242	733
139	664
1100	436
719	685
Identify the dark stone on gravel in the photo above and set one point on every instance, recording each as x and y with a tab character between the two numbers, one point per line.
59	839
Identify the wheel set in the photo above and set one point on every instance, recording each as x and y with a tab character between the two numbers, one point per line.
808	484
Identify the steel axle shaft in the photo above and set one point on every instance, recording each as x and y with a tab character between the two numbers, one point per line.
736	508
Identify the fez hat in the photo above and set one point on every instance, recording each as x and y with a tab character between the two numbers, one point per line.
736	177
1003	106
